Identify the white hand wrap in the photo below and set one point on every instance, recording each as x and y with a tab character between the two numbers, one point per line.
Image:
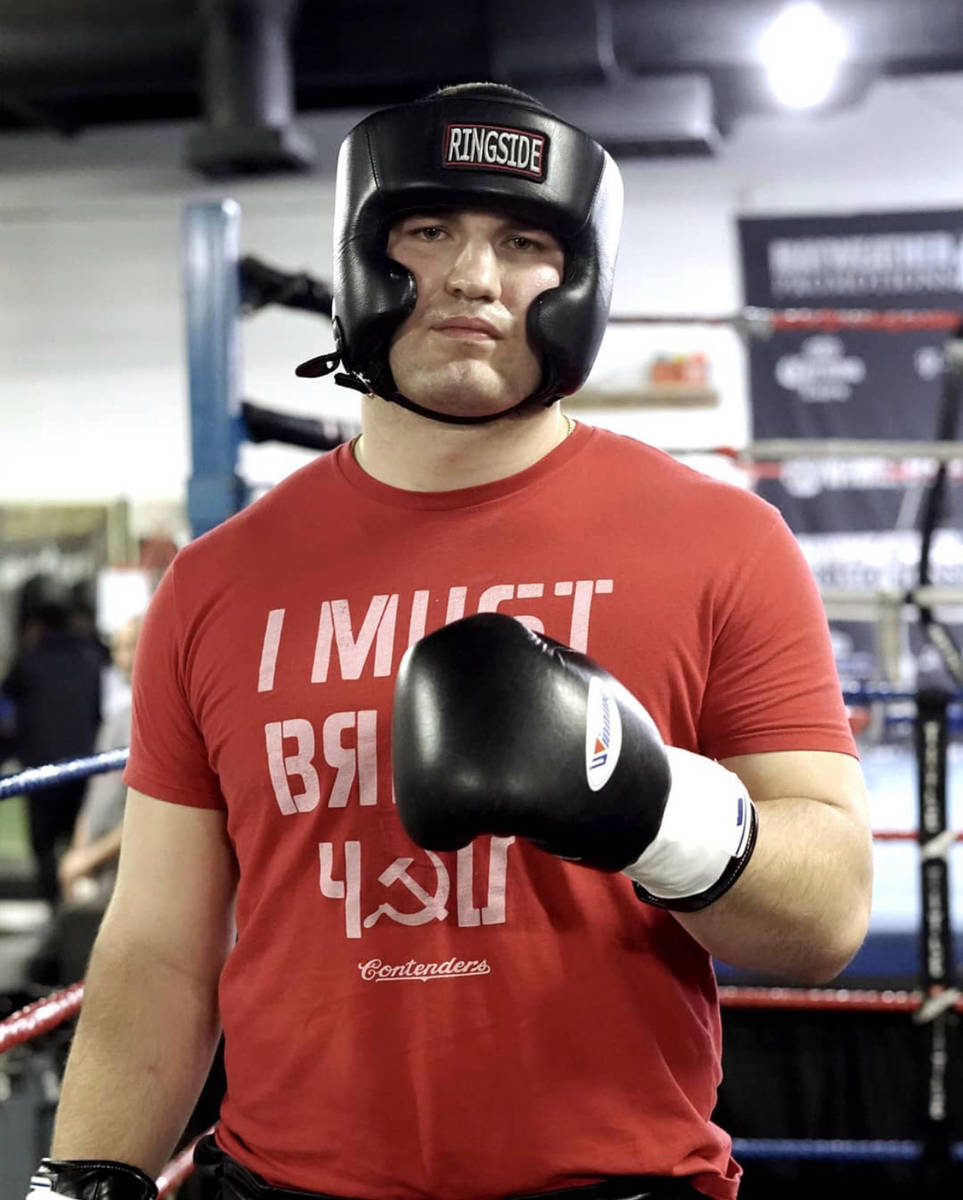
707	834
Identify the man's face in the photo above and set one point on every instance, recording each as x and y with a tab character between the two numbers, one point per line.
464	349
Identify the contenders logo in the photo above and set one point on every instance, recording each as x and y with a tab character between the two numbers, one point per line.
494	148
376	970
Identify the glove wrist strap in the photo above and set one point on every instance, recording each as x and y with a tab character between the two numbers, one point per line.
705	840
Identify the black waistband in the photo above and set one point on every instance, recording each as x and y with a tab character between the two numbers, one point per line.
239	1183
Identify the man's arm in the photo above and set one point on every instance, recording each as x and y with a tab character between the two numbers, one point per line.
800	910
148	1028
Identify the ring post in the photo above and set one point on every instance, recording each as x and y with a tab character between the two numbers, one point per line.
211	238
937	1015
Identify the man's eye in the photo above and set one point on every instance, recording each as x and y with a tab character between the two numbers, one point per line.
521	242
430	233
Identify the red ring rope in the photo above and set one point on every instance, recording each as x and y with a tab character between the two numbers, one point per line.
821	999
888	321
179	1169
45	1015
41	1017
827	319
903	835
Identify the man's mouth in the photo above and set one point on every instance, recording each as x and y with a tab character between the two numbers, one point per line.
470	329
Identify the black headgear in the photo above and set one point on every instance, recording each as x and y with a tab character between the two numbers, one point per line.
480	146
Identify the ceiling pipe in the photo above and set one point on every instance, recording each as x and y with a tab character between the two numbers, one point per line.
564	43
61	47
248	91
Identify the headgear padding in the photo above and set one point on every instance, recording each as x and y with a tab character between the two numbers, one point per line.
477	149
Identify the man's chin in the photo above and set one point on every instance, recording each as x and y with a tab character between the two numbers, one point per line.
464	408
461	398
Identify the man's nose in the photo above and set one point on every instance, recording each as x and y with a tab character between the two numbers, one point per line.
475	271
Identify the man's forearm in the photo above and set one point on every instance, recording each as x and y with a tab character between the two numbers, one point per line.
801	907
144	1045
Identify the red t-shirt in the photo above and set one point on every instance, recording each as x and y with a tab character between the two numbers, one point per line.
401	1024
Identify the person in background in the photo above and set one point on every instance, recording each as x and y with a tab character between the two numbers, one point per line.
8	729
89	868
83	618
55	685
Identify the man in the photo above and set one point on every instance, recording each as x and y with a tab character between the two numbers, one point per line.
482	1018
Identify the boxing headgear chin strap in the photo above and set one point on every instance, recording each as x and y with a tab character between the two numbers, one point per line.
324	364
481	147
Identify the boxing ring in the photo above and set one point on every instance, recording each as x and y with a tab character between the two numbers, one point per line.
926	946
906	974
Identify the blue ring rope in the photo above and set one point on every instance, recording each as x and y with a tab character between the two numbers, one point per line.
34	779
832	1150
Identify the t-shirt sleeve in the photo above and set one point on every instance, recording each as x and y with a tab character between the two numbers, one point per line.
168	759
772	682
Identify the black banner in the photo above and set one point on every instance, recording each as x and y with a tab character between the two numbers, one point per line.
857	518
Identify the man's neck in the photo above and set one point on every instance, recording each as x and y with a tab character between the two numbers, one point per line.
408	451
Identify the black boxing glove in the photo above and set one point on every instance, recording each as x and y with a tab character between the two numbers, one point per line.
89	1179
499	730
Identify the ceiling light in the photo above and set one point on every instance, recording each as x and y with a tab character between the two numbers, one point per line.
801	51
